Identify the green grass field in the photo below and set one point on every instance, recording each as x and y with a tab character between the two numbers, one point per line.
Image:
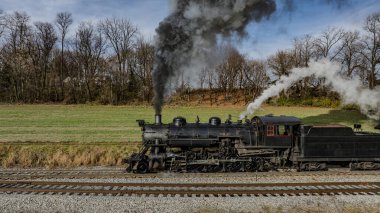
87	123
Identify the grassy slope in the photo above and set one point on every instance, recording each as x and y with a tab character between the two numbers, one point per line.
85	123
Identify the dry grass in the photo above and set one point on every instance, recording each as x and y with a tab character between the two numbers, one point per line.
63	156
315	207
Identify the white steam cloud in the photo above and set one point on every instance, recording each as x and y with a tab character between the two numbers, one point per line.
351	91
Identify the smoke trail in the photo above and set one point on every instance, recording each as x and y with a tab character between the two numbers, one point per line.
350	90
192	29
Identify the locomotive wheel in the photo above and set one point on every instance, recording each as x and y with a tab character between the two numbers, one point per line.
142	167
174	166
363	166
250	166
214	168
257	164
129	169
313	166
195	168
233	167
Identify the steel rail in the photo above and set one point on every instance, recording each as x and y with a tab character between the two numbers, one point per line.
25	187
188	185
196	193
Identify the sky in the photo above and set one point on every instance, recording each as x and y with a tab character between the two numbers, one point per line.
264	38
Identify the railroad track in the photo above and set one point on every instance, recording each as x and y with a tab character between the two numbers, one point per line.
191	189
25	174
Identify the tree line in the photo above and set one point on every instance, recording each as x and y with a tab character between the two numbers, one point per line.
109	62
241	78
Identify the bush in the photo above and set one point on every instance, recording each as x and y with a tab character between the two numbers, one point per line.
350	107
315	102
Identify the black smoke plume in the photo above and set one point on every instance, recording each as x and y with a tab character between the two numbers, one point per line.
193	28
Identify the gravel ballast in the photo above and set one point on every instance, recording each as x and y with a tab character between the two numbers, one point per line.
91	203
73	203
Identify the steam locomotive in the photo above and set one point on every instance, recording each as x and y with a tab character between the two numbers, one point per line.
260	144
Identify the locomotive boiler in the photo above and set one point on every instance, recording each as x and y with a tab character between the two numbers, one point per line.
260	144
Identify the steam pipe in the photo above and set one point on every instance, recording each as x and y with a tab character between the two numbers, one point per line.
157	119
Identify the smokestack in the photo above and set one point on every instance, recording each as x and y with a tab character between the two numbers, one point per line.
157	119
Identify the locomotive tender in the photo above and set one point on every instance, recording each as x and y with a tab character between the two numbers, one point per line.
260	144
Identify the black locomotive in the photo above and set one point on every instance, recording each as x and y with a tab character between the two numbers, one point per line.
260	144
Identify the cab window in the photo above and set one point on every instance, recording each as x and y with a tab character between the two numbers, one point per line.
280	130
270	130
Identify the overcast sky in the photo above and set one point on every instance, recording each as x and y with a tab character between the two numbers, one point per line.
265	38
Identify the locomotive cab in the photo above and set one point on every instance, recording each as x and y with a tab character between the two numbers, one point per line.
275	131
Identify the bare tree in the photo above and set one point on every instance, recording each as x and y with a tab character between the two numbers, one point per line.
121	35
327	41
63	21
2	23
145	58
202	77
15	53
89	47
349	55
2	27
46	38
371	51
229	72
40	45
235	64
303	50
256	79
281	63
